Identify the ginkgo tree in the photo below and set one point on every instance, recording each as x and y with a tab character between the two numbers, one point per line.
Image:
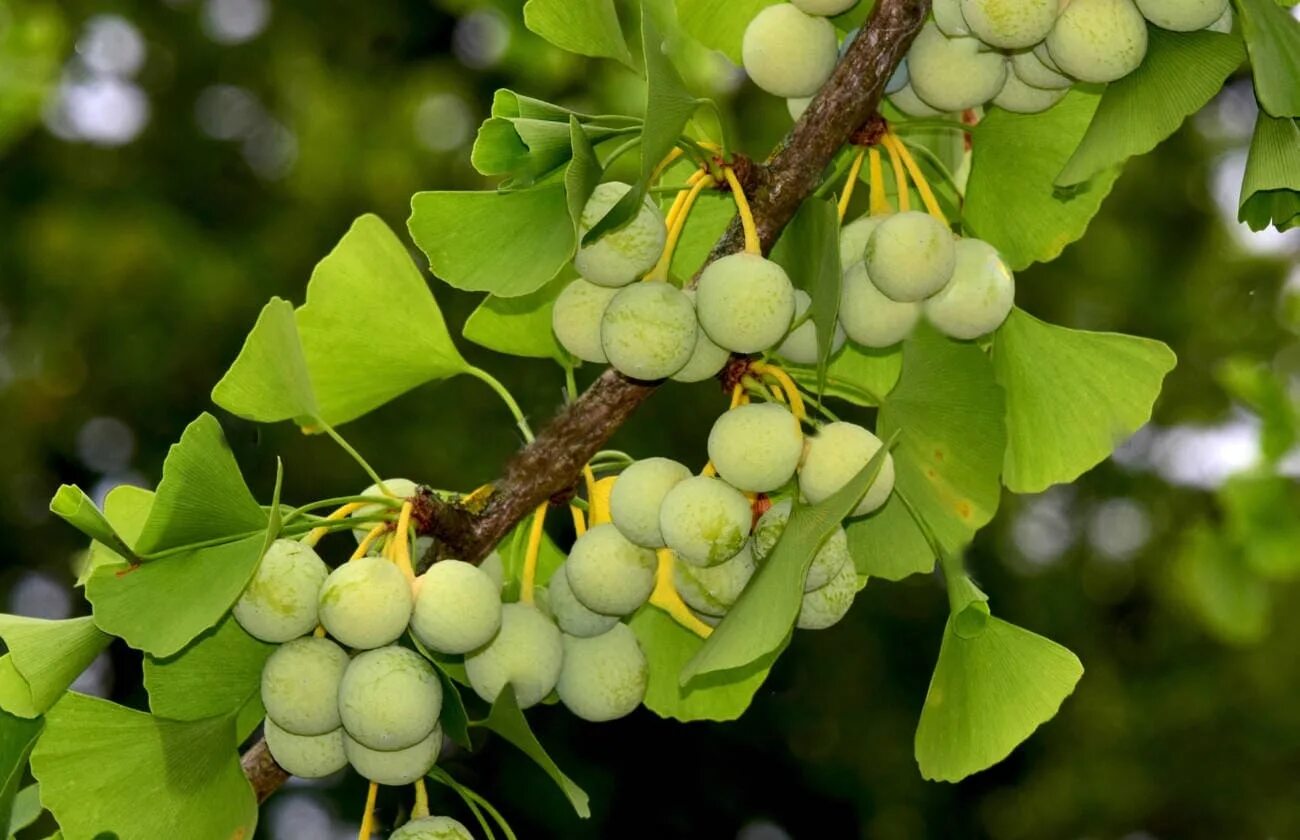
853	295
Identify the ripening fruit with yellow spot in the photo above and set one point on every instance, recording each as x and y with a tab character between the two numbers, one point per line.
394	767
306	756
980	296
745	302
1098	40
526	652
826	563
800	346
1010	24
648	330
824	607
366	603
458	607
1182	15
623	255
1032	70
575	319
280	602
953	74
868	317
1020	98
712	590
705	520
910	256
300	685
608	573
639	493
572	615
788	52
432	828
756	447
603	677
836	454
389	698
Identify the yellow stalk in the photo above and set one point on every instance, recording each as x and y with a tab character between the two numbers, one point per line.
851	181
315	534
922	185
530	558
666	598
900	177
368	820
752	243
367	540
879	201
791	390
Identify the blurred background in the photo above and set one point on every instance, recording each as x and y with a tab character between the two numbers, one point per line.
167	165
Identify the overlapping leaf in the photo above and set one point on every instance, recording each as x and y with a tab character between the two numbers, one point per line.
1273	40
809	252
44	658
1270	190
509	722
519	326
586	27
527	140
858	375
720	24
17	737
888	543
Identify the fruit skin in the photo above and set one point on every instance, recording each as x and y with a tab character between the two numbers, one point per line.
853	239
366	603
300	683
800	346
576	317
623	255
639	493
458	607
492	567
745	302
1098	40
648	330
571	614
389	698
1182	15
603	677
705	520
796	105
826	563
980	296
825	8
1010	24
837	453
306	756
824	607
280	602
910	256
706	359
527	653
870	318
608	573
432	828
399	488
713	590
953	74
949	19
787	52
1031	70
394	767
756	447
1020	98
906	100
1224	23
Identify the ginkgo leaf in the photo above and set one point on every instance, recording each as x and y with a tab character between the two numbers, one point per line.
506	719
586	27
268	381
44	658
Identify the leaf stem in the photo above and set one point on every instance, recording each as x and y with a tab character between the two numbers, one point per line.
356	456
627	146
665	597
901	192
506	397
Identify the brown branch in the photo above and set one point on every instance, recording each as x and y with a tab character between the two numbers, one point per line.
552	463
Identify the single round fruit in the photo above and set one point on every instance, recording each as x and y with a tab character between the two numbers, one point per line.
280	602
826	563
571	614
825	8
603	677
910	256
648	330
853	239
906	100
623	255
756	447
949	19
576	317
836	454
300	685
745	302
705	520
800	346
1020	98
366	603
458	607
870	318
493	567
980	296
394	767
432	828
306	756
953	74
706	359
637	496
796	105
824	607
787	52
527	653
1224	23
398	488
1182	15
1010	24
389	698
713	590
1098	40
1032	71
608	573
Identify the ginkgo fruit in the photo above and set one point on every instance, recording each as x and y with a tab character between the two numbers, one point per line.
300	685
457	608
980	296
1020	98
281	601
825	8
953	74
1032	70
756	447
1182	15
366	603
394	767
639	493
648	330
825	606
826	563
949	19
625	254
745	302
397	488
573	616
1010	24
910	256
389	698
432	828
836	454
576	316
868	317
800	346
705	520
1098	40
853	240
712	590
706	359
603	677
788	52
526	653
305	756
906	100
608	573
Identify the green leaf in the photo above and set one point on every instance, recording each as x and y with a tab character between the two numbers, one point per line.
585	27
218	675
1273	40
17	737
1260	517
582	174
761	619
519	326
809	252
506	243
1233	602
992	687
126	507
1072	396
1254	384
1270	190
668	647
450	670
514	547
43	660
475	802
106	769
268	381
509	722
1180	74
720	24
859	375
72	505
528	139
888	543
27	809
1011	198
33	45
710	215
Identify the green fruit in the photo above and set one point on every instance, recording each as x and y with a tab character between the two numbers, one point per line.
389	698
825	8
837	453
949	19
953	74
1020	98
432	828
1183	15
637	496
458	607
494	569
800	346
398	488
623	255
853	239
1223	24
608	573
366	603
796	105
300	685
980	296
910	104
576	317
1031	70
604	677
394	767
1010	24
648	330
745	302
706	359
306	756
824	607
571	614
280	602
705	520
713	590
527	653
870	318
910	256
826	563
789	53
1098	40
756	447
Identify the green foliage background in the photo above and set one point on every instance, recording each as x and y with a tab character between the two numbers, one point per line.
129	276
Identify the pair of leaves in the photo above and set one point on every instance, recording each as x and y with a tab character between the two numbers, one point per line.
1273	40
527	141
44	658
